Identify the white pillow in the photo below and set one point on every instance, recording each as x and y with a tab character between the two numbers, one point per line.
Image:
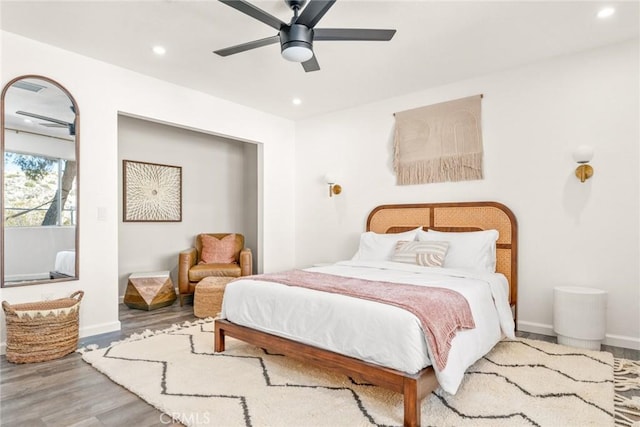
380	247
474	249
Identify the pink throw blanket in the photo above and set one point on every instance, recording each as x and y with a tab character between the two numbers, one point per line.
442	312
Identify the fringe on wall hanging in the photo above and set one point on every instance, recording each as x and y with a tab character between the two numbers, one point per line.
438	143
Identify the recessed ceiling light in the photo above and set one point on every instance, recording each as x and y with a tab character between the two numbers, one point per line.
606	12
159	50
28	121
296	101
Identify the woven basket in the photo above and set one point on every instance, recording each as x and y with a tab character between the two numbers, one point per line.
43	330
207	300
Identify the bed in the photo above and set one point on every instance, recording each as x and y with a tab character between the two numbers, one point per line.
378	343
65	265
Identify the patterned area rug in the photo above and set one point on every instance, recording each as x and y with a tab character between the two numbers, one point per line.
521	382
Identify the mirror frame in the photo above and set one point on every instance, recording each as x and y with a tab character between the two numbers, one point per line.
77	154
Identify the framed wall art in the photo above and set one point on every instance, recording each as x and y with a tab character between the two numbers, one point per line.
151	192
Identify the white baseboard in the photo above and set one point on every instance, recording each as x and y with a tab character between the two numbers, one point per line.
100	329
23	277
609	339
536	328
622	341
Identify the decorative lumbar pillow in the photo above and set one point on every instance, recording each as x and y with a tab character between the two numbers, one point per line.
218	251
474	249
380	247
434	256
426	254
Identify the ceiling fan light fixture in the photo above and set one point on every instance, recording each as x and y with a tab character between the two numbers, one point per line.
297	53
296	43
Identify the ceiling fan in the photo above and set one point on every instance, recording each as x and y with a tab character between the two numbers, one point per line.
296	38
51	121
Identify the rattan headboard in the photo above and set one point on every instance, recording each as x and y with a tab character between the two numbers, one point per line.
462	216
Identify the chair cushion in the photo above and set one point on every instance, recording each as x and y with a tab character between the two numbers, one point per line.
200	271
218	251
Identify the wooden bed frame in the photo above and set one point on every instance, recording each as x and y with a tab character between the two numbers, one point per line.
464	216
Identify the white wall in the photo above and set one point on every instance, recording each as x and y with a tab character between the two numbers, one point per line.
30	252
218	193
533	117
250	191
22	142
102	91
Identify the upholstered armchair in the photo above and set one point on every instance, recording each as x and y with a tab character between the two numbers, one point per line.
214	254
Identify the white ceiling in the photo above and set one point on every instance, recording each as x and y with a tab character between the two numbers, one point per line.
436	42
50	101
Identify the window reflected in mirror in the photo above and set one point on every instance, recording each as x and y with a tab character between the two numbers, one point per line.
39	182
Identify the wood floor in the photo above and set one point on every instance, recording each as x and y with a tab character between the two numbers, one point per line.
69	392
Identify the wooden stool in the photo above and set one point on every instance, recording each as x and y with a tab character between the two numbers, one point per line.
148	291
207	300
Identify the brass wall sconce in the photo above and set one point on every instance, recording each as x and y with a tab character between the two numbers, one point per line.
583	155
334	189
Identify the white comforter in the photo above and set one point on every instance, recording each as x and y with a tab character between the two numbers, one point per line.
371	331
66	263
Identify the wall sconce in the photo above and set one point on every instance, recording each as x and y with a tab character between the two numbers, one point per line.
583	155
333	187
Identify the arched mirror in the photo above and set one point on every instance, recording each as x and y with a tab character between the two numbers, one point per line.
40	138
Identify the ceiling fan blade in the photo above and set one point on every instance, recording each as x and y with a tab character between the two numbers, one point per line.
247	46
49	119
314	11
254	12
53	125
352	34
311	65
54	122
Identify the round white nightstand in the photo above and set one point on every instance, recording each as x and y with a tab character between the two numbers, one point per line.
579	316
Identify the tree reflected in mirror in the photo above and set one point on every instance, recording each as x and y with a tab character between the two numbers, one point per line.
36	193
